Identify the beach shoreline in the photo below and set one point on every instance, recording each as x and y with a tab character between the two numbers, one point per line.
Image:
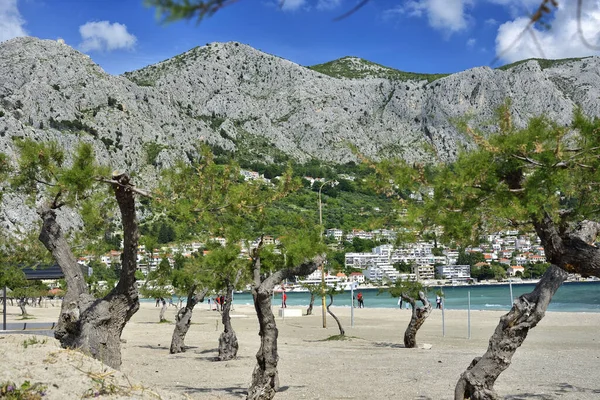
372	364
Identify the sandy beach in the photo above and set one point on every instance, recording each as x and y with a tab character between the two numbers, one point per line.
559	359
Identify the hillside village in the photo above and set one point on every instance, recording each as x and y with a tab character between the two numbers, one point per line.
420	261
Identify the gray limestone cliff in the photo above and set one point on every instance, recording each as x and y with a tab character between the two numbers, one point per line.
237	98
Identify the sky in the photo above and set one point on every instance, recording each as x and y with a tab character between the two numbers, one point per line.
427	36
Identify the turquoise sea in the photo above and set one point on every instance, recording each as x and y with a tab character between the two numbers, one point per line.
571	296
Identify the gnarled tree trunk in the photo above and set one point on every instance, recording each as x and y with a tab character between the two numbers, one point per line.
184	319
310	305
22	303
265	379
418	317
163	309
228	344
342	333
95	325
478	380
568	251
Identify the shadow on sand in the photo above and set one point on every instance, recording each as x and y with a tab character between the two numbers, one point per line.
389	345
560	390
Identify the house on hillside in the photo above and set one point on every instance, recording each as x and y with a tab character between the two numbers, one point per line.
513	269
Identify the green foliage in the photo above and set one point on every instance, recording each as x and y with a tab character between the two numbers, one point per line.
33	341
152	151
11	276
403	267
470	258
174	10
27	391
536	270
514	178
357	68
406	289
487	272
112	102
42	168
544	63
301	244
224	264
75	125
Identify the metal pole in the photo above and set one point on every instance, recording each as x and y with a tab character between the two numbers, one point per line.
443	320
4	312
469	317
323	306
352	306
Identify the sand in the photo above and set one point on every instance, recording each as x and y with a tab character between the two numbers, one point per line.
559	359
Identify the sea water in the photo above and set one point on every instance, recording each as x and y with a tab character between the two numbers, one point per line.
571	296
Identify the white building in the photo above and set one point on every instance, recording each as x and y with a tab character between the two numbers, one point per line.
423	272
456	273
337	234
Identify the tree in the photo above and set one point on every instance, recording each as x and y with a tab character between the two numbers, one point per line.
411	292
192	280
225	264
301	259
314	290
333	291
92	325
538	178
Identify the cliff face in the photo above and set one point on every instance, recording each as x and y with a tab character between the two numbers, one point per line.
240	99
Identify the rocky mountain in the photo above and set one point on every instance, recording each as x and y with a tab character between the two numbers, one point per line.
238	99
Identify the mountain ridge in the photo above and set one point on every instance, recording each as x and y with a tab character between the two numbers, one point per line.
231	95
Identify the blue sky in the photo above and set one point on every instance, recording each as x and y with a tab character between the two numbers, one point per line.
411	35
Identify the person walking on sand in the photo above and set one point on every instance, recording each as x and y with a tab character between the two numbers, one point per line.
284	300
361	303
400	302
438	302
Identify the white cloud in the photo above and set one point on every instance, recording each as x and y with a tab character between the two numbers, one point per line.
448	16
104	36
11	22
328	4
560	41
471	43
292	5
491	22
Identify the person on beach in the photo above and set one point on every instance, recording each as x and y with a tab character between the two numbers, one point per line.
157	302
438	302
361	303
400	302
209	305
283	300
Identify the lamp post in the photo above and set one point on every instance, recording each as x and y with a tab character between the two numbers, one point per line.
323	306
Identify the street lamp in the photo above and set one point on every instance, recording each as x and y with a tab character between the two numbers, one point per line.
323	306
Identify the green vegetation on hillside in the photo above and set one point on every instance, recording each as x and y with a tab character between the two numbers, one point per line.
542	62
357	68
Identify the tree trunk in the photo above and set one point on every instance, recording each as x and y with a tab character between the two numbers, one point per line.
95	325
228	344
163	309
22	303
342	333
478	380
568	251
184	319
310	306
419	315
265	379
